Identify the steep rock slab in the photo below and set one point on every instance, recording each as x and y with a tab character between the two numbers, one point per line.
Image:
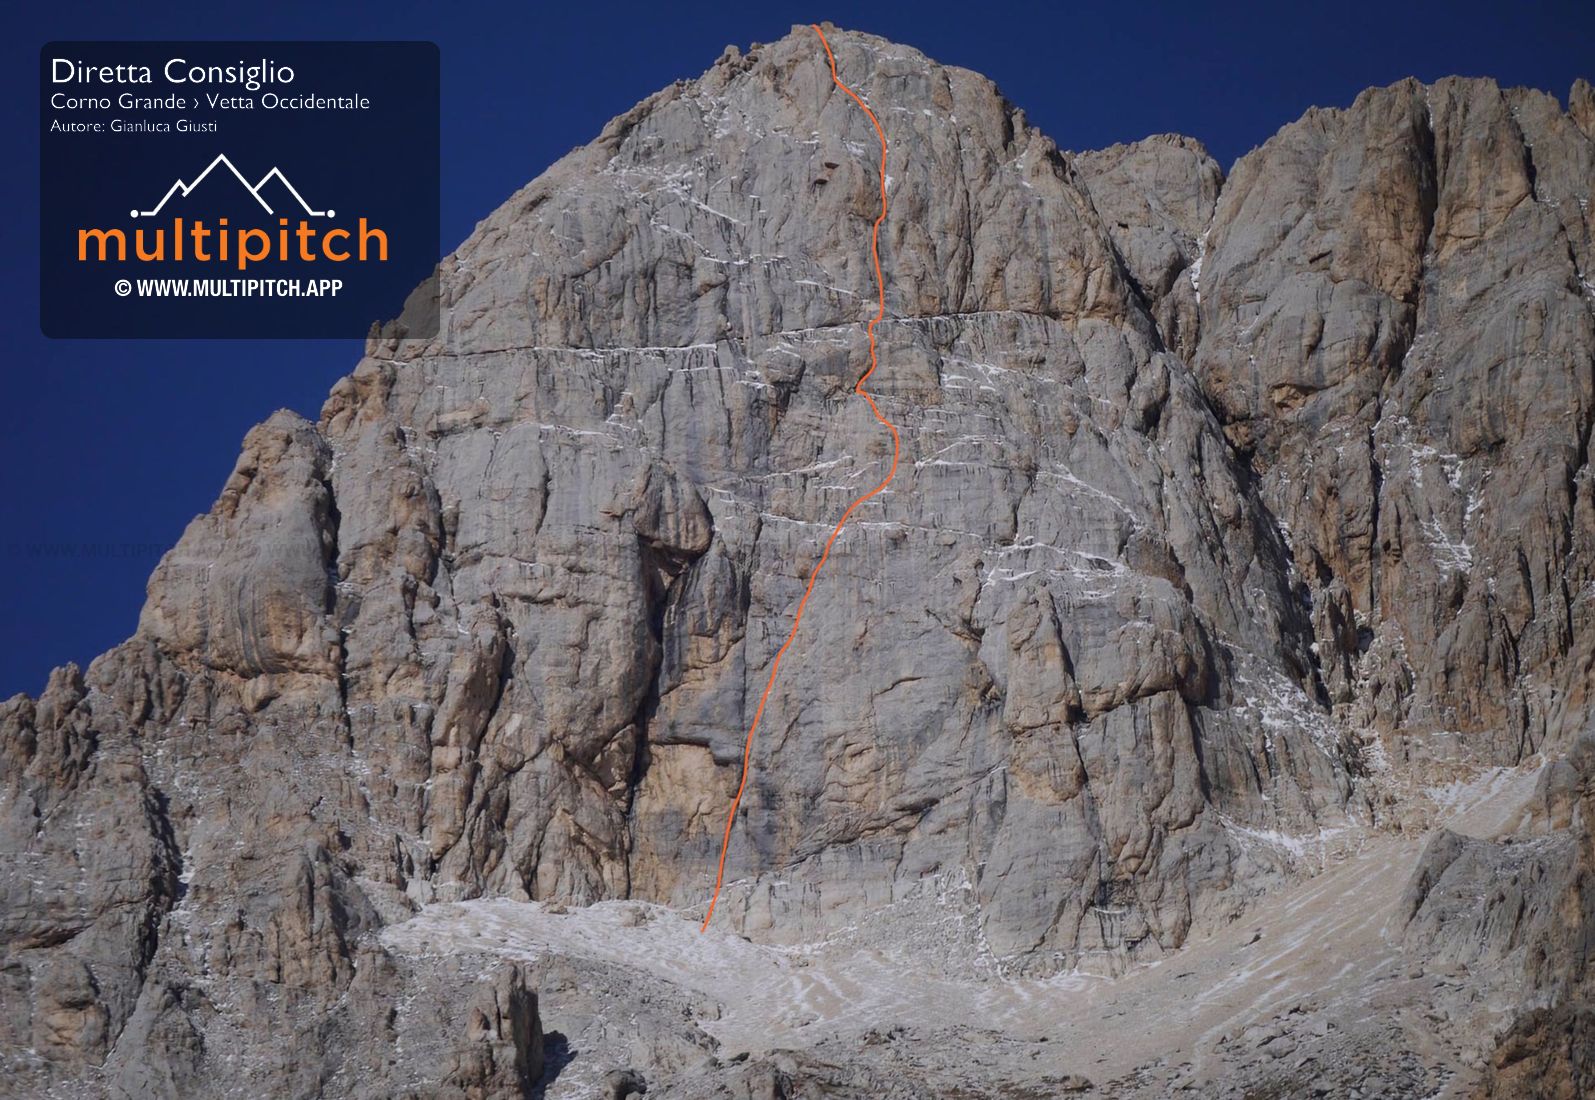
1398	329
1069	508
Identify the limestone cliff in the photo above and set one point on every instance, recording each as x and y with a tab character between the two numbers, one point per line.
1231	508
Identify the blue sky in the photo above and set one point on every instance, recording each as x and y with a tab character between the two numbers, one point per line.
110	448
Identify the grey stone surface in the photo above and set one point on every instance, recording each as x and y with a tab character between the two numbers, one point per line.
1226	507
1399	335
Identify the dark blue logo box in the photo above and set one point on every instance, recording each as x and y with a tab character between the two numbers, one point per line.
238	189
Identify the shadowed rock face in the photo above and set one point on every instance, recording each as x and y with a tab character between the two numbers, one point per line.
1216	496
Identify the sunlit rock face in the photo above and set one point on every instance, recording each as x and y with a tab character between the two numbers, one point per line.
1226	506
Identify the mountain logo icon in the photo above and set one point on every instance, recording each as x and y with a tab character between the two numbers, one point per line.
182	189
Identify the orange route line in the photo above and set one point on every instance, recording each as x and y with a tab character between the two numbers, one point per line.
797	619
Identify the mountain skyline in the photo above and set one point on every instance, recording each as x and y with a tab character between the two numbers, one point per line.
1229	79
1202	702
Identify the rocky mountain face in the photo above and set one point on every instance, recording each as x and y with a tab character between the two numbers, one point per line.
1235	514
